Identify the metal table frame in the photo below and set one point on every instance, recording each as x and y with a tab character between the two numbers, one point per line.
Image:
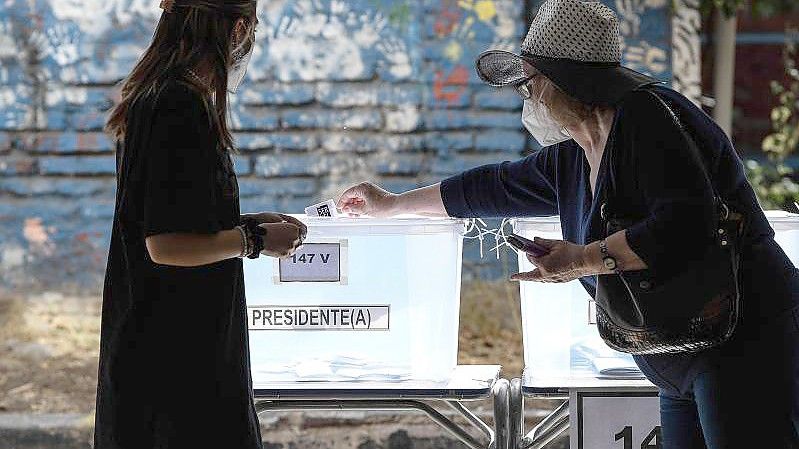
557	422
325	397
552	426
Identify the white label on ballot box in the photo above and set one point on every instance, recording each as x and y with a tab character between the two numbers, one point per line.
313	262
616	420
320	318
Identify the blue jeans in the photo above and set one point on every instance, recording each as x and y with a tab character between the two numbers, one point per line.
743	395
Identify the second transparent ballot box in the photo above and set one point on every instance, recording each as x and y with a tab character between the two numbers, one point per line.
561	342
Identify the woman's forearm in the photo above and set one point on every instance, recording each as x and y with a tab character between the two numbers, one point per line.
626	259
423	201
191	250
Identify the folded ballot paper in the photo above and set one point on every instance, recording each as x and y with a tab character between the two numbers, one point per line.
341	368
604	361
324	209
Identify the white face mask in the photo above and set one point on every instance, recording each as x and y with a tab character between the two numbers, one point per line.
239	67
539	122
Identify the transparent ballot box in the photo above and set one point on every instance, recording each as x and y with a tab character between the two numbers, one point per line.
362	299
561	342
786	232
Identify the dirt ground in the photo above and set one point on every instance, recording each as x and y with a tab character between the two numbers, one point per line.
49	345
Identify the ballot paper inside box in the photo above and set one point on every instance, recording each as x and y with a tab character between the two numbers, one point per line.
362	299
558	320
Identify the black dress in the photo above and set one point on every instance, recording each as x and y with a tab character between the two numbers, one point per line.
174	359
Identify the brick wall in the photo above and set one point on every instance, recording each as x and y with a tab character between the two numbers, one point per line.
337	92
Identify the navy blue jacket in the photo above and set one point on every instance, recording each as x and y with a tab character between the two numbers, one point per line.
658	181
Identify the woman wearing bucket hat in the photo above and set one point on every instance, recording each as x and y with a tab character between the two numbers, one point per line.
582	105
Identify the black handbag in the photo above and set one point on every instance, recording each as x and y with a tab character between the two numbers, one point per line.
695	309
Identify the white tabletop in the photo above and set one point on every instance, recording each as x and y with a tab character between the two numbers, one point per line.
543	385
466	382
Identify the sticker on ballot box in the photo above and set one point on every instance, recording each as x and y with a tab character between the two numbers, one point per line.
615	420
321	318
315	262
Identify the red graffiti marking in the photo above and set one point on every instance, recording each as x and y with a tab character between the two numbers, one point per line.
448	18
450	88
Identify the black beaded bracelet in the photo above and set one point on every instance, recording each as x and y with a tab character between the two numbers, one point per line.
255	237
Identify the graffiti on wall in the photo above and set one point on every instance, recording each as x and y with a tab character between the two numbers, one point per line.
462	29
646	35
328	79
312	40
51	46
686	49
46	45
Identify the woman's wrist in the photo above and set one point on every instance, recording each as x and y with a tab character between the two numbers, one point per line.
245	247
228	243
254	237
592	259
395	204
422	201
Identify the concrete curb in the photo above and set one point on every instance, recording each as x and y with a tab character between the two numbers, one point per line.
45	431
280	430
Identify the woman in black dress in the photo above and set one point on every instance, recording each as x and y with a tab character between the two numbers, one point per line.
174	362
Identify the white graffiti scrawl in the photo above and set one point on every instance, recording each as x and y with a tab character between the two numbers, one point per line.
309	40
45	44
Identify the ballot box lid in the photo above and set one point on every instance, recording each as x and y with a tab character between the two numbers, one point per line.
783	221
404	224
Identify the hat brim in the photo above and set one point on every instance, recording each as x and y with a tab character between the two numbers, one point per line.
602	84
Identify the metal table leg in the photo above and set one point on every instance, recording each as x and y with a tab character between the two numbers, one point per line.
516	413
548	429
474	419
501	394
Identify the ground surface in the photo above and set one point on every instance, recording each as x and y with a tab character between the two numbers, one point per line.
48	347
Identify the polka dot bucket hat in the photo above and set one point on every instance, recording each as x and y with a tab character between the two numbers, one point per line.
577	45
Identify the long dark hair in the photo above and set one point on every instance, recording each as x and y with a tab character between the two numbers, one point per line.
189	33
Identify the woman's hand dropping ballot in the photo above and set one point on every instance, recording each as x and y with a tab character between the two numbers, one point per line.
367	199
564	262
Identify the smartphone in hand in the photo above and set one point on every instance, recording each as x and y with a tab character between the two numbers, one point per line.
527	245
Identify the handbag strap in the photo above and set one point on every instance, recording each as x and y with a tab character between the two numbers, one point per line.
693	150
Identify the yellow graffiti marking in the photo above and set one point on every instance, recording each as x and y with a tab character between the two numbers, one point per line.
485	9
463	32
453	51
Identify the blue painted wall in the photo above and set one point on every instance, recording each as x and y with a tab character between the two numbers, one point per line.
337	91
